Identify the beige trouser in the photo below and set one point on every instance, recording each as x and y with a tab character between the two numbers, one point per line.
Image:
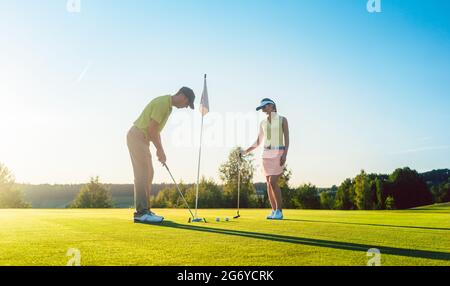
141	159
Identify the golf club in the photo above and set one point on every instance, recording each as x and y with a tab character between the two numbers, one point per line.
239	184
192	218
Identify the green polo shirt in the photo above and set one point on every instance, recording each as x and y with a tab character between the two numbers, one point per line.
159	110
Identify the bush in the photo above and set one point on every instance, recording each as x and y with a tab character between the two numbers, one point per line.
344	196
327	200
210	195
229	171
441	192
93	195
409	189
10	194
390	203
307	197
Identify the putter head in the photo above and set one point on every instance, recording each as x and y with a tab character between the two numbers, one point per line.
198	220
238	216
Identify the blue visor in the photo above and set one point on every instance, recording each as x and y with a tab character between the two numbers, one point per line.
264	102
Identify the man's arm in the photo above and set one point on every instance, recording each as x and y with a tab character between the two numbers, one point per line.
155	137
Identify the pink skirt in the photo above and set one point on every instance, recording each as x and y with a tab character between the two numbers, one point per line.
271	162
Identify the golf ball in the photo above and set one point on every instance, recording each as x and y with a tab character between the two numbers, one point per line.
227	219
217	218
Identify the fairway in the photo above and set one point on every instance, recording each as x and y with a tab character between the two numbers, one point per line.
305	237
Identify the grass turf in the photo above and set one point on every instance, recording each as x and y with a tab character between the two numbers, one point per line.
306	237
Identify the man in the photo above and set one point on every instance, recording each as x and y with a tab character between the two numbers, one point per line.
147	129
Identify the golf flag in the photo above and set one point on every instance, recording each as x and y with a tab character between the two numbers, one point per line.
204	102
204	109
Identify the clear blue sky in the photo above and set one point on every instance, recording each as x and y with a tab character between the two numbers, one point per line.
360	90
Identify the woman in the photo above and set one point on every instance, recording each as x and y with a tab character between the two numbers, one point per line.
275	132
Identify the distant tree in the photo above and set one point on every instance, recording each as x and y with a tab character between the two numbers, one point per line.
373	193
441	192
10	194
307	197
334	189
262	198
379	194
229	175
169	197
210	195
445	192
162	199
327	200
436	177
93	195
363	191
285	177
408	189
344	193
288	193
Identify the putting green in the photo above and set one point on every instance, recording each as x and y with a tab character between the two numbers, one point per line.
306	237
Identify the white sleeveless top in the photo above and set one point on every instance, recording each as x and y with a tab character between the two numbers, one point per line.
273	132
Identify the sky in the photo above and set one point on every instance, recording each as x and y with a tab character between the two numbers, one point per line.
360	90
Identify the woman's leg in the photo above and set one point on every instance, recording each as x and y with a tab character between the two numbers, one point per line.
270	194
276	191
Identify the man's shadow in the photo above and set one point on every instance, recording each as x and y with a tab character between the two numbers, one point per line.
436	255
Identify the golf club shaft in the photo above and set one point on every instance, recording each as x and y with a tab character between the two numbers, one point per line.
239	181
179	191
198	167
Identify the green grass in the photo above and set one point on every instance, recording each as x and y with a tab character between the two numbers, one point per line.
307	237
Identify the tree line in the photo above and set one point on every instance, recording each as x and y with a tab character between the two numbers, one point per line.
402	189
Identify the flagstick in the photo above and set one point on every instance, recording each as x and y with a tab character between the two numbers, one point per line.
199	158
198	168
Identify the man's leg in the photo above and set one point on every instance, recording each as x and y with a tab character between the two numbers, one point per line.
142	168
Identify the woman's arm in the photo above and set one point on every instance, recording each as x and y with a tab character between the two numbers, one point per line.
286	141
257	143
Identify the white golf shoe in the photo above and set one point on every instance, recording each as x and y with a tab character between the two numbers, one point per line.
271	215
278	215
148	217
